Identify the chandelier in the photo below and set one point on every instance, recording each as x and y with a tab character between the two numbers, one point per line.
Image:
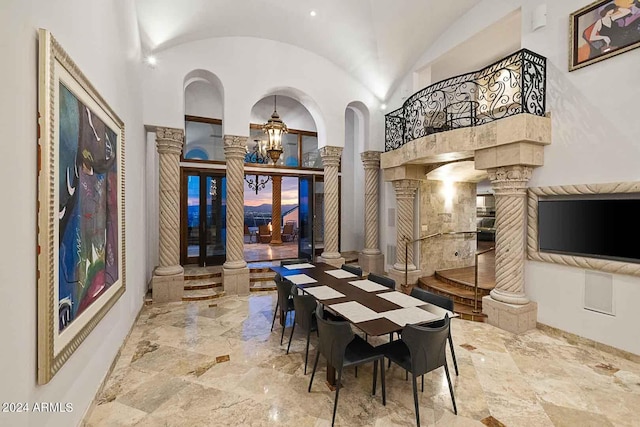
264	150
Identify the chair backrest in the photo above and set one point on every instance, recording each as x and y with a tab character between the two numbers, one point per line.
334	337
431	298
426	346
287	229
384	281
263	230
293	261
284	287
351	269
305	306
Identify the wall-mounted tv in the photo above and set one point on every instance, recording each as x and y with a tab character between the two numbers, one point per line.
598	227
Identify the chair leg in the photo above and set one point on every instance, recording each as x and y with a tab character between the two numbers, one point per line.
453	353
306	353
406	375
375	376
283	314
335	404
356	372
415	400
275	311
384	391
313	373
453	399
293	328
422	390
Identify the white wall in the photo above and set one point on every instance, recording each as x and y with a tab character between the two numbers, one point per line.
203	99
594	140
292	113
102	38
352	190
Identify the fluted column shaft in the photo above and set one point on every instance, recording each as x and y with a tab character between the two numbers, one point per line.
169	145
371	162
276	203
405	195
331	163
510	187
234	152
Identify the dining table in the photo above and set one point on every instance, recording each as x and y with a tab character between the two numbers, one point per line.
373	308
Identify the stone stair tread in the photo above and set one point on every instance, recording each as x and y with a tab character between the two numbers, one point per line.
202	294
191	285
466	310
435	283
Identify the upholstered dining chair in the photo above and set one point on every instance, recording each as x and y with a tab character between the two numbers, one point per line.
304	317
342	348
352	269
284	303
421	350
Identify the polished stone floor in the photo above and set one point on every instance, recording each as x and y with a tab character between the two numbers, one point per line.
218	364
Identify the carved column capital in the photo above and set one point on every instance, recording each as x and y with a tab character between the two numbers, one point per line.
406	188
169	140
510	180
330	156
370	159
235	147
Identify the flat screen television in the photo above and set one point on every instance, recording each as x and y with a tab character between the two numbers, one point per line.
599	227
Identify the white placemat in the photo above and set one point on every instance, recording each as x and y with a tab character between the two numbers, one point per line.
301	279
355	312
403	300
368	285
298	266
341	274
323	292
409	315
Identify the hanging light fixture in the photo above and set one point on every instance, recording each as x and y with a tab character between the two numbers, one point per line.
274	128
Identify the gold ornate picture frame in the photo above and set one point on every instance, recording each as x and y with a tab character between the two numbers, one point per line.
603	29
81	234
533	251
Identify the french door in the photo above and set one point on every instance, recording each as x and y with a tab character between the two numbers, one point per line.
204	228
311	212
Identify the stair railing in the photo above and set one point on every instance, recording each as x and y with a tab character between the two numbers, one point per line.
408	241
475	279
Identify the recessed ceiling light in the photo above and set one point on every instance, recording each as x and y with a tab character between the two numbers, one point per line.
151	60
383	107
313	13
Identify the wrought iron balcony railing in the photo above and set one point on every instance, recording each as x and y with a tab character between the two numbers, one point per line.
513	85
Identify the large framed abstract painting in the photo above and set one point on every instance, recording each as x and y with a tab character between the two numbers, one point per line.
81	271
603	29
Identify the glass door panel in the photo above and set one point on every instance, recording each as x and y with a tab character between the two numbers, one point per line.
305	220
214	220
192	222
318	217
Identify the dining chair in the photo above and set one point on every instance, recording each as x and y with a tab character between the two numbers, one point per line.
352	269
304	317
342	348
284	303
293	261
382	280
442	302
421	350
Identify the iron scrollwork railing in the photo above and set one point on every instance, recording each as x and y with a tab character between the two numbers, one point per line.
513	85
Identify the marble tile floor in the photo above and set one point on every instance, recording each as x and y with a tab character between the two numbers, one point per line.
218	364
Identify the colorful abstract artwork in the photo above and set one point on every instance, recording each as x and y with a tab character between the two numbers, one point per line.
81	207
603	29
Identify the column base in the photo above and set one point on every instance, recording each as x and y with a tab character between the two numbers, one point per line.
371	263
398	276
167	288
516	318
509	297
275	242
170	270
235	281
336	262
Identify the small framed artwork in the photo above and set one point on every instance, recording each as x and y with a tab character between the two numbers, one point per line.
81	252
603	29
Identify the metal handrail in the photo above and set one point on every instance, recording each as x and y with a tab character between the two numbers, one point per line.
475	279
408	241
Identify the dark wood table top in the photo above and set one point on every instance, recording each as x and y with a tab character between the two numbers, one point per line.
375	327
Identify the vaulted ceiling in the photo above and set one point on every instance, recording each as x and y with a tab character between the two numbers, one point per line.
376	41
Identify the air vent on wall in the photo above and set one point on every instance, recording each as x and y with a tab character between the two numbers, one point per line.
598	292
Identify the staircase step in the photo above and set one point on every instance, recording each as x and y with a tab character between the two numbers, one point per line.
199	284
441	275
202	294
466	313
261	277
460	295
263	286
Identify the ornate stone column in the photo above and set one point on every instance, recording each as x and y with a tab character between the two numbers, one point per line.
371	259
235	272
168	279
507	306
276	199
405	196
331	163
